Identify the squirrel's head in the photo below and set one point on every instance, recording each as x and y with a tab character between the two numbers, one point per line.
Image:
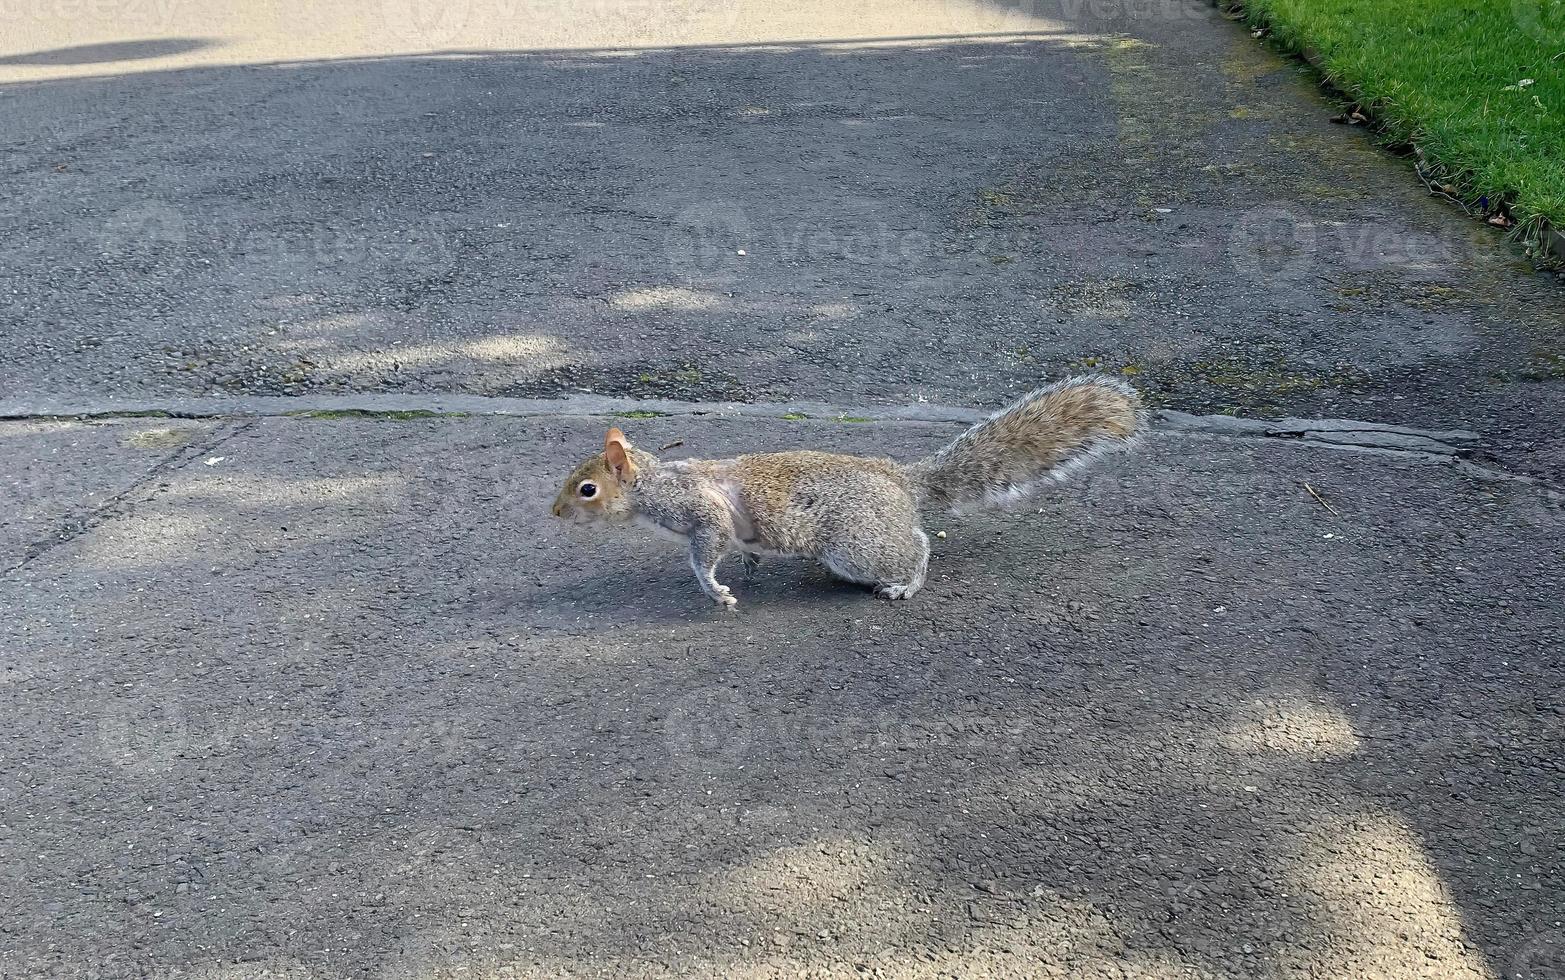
596	490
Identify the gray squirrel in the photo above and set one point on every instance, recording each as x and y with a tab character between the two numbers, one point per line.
858	516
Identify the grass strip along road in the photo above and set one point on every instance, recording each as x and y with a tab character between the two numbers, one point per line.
1477	86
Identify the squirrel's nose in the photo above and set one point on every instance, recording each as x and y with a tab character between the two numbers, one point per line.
558	510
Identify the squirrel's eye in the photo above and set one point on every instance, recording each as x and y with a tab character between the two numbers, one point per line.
587	490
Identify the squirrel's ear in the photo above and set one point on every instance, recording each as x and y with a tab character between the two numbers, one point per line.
619	460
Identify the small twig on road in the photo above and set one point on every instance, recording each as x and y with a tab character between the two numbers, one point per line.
672	445
1322	500
1439	191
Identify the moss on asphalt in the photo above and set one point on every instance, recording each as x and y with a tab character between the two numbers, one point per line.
409	415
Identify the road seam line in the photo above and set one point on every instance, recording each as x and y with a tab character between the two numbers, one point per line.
1326	430
1407	443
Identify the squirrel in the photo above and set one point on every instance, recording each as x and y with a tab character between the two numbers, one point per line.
858	516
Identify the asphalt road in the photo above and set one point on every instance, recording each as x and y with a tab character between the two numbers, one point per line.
294	199
333	697
298	697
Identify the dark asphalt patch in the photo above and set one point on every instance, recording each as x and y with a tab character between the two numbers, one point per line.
945	221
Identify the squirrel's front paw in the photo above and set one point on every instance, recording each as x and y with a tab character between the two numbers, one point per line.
723	596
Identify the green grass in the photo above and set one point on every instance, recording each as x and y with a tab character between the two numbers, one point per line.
1448	76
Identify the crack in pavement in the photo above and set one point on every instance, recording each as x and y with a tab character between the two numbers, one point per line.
1408	443
74	525
1333	432
1349	433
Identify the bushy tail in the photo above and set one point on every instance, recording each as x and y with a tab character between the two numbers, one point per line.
1037	440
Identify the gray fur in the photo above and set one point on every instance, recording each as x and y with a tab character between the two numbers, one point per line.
1040	439
858	516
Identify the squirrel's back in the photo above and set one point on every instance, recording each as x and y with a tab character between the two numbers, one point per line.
794	500
1037	440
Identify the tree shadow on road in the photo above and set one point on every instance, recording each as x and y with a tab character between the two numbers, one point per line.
108	53
941	217
360	730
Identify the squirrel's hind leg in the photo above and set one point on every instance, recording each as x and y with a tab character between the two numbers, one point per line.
895	564
905	588
707	546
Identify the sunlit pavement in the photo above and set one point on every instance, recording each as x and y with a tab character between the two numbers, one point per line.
875	203
333	697
326	697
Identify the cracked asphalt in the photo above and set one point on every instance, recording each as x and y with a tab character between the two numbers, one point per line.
669	200
332	697
337	698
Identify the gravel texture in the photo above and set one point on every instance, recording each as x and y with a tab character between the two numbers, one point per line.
593	201
339	699
332	697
